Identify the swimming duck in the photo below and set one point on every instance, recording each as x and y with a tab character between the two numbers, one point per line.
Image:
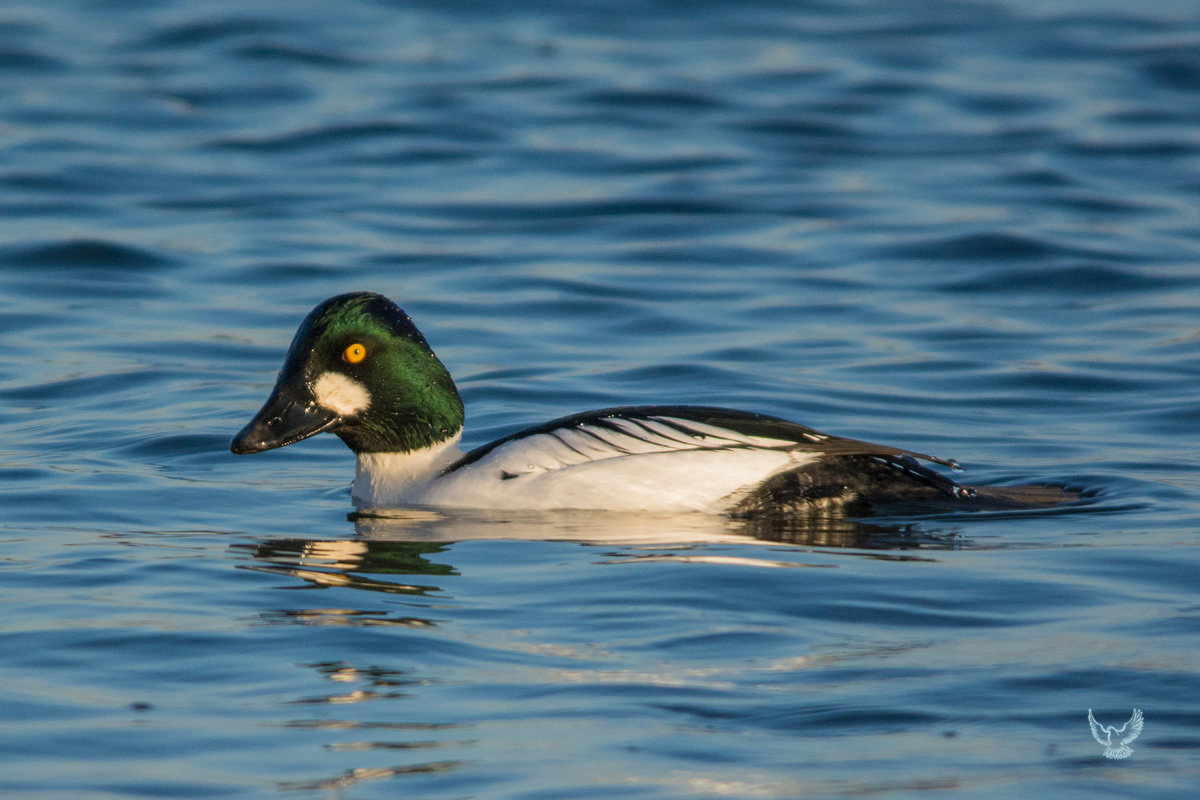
359	368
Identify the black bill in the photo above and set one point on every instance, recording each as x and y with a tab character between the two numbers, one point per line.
289	415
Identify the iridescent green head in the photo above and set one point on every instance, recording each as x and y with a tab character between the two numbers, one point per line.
359	368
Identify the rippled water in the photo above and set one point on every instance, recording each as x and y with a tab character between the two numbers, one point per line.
969	229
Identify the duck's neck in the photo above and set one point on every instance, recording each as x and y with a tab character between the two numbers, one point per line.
384	480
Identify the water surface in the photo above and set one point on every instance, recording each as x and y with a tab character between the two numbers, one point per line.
963	228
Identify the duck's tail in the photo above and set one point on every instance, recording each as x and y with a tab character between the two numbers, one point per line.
856	484
1015	498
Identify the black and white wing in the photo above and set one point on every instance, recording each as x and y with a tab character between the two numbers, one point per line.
639	430
662	458
701	458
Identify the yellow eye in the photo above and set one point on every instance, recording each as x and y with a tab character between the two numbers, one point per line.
354	353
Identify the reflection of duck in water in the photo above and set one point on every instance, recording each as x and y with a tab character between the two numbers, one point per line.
359	368
412	553
352	563
648	529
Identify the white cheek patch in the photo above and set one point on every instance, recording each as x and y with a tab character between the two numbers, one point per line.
341	395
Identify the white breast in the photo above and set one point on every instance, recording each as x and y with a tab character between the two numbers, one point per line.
388	480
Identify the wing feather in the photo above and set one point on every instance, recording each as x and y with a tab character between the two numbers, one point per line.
668	433
643	433
727	436
615	432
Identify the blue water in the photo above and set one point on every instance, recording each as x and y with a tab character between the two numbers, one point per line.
970	229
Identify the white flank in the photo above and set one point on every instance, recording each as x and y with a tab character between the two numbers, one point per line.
690	480
340	394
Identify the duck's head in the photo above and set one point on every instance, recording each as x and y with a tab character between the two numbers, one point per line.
359	368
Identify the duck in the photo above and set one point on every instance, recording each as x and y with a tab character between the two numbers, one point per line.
359	368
